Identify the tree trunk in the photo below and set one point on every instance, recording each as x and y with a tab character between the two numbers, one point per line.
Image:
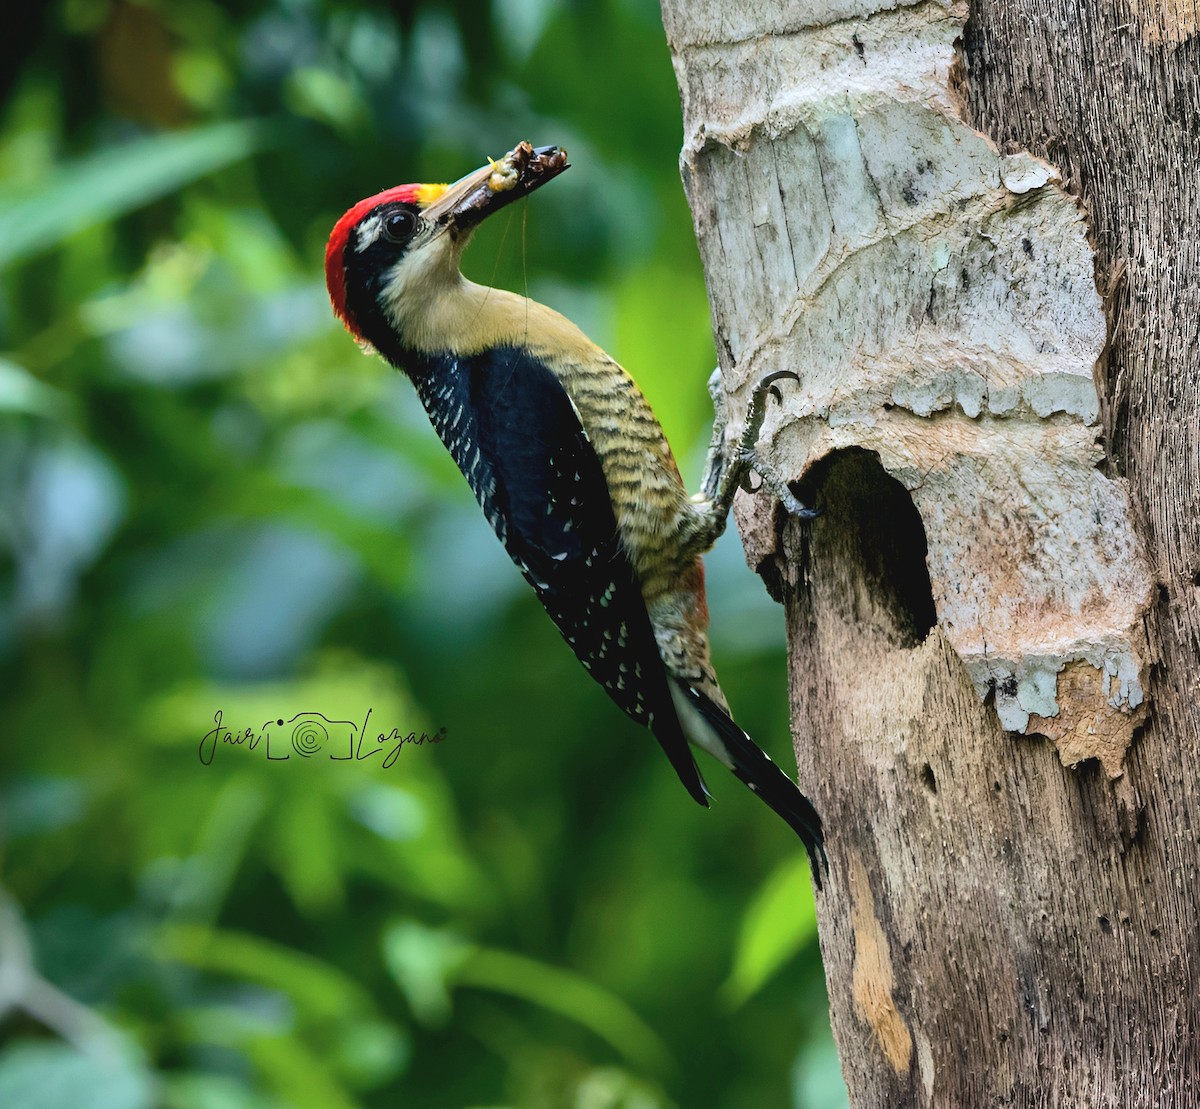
995	625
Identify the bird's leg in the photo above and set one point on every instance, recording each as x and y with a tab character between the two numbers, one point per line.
728	467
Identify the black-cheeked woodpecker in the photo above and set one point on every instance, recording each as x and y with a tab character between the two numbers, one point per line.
567	460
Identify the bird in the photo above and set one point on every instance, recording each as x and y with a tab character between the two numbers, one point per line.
567	460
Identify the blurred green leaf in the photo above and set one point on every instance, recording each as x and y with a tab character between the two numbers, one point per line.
421	961
198	1090
570	995
371	1051
305	852
252	1013
115	181
340	686
351	1053
318	990
326	96
610	1088
426	962
20	391
298	1073
777	924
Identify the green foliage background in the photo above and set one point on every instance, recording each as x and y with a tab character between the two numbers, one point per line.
210	500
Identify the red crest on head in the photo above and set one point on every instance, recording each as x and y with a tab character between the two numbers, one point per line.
335	268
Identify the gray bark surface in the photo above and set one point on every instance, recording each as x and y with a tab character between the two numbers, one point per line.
994	628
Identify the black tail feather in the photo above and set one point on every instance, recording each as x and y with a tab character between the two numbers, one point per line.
670	736
754	767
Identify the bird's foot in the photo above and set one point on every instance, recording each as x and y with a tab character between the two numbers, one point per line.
730	463
752	460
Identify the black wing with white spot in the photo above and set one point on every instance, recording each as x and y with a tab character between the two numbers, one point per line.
509	424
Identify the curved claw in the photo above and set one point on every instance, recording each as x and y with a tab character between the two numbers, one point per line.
767	384
798	510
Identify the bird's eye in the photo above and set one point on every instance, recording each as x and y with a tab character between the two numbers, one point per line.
399	226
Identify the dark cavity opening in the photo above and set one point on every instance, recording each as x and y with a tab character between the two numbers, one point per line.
870	524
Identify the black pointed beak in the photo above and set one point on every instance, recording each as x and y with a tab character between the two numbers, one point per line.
473	198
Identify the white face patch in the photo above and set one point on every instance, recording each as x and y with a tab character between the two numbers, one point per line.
367	232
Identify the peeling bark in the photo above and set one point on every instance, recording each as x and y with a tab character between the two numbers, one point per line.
984	270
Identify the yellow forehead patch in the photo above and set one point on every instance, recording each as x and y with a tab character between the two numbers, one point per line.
427	194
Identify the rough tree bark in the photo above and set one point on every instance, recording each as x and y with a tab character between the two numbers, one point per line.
974	235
